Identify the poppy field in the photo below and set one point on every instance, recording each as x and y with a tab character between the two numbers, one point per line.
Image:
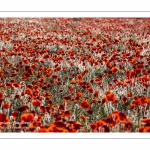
74	74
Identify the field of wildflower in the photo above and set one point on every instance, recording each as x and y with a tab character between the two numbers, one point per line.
74	74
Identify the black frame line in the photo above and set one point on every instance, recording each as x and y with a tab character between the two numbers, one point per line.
77	12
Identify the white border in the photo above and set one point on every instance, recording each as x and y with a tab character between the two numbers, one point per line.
76	135
79	144
74	5
75	14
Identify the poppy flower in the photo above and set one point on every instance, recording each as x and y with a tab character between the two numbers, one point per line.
100	122
122	117
103	100
22	108
93	126
32	128
147	129
67	113
85	104
77	125
3	118
14	114
42	130
110	97
57	129
1	73
109	121
72	82
141	129
146	121
79	76
115	116
27	117
79	94
96	93
90	90
33	66
2	85
90	112
132	106
28	91
6	106
36	103
124	99
94	100
129	94
42	109
15	85
60	124
48	108
128	125
1	95
67	97
104	128
41	80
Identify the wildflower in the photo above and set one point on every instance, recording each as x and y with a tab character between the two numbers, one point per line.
85	104
114	70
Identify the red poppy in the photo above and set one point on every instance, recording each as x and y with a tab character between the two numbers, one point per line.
93	126
28	91
124	99
6	106
141	129
33	66
73	82
1	74
90	112
94	100
122	117
60	124
42	130
69	97
128	126
77	125
3	118
96	93
79	94
104	128
115	116
32	128
36	103
146	121
147	129
22	108
103	100
90	89
27	117
129	94
110	97
67	113
1	95
79	76
85	104
14	114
